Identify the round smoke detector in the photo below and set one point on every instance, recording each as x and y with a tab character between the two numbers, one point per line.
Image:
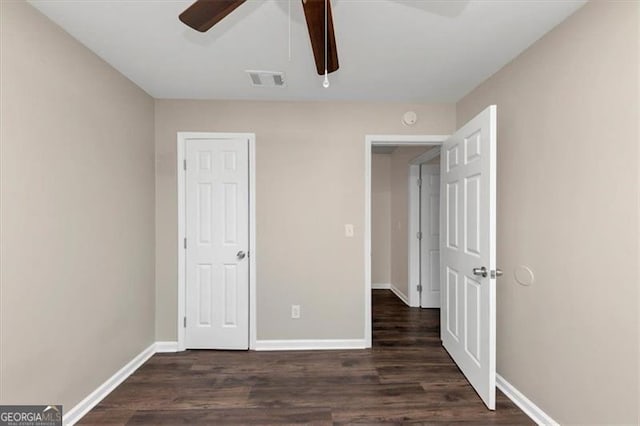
409	118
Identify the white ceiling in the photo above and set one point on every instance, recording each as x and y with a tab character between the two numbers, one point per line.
403	50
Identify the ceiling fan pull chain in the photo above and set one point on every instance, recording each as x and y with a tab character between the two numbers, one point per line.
325	83
289	30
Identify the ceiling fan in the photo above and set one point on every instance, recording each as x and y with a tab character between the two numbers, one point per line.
204	14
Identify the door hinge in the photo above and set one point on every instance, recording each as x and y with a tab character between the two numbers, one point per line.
419	235
184	164
419	287
185	243
419	182
184	322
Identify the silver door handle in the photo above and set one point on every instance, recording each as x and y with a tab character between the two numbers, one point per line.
496	273
482	272
240	255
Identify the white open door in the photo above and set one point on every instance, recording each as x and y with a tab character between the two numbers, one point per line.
217	229
468	251
430	233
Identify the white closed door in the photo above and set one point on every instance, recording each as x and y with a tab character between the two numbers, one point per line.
468	251
217	230
430	241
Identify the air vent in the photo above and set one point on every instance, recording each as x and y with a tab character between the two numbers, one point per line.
266	78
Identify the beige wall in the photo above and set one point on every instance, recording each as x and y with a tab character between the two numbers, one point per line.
400	159
310	183
567	208
380	219
77	215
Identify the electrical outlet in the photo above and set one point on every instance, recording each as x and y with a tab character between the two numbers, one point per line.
295	311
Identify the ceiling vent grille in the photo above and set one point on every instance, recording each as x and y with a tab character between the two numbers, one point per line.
266	78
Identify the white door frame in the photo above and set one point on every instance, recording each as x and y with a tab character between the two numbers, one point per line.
414	221
183	137
369	142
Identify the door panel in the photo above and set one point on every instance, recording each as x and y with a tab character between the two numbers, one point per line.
204	284
217	229
452	212
451	304
230	305
468	226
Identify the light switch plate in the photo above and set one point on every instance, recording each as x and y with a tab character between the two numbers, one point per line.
295	311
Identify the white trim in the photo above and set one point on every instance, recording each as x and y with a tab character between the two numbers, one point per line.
253	319
308	345
406	139
83	407
380	286
166	347
525	404
400	294
370	141
181	178
426	156
413	227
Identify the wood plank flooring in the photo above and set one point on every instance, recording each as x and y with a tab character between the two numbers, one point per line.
407	377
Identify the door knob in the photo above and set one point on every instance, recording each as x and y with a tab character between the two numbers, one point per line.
496	273
240	255
482	272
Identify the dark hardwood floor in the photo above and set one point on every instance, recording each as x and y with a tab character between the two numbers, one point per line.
407	377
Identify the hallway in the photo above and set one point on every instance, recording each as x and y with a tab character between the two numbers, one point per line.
406	377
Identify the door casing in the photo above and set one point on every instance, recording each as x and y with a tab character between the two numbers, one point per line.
182	140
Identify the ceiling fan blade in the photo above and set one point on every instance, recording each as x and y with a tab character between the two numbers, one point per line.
204	14
314	13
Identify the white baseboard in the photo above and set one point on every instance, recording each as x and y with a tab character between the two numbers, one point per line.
525	404
164	347
83	407
400	295
307	345
380	286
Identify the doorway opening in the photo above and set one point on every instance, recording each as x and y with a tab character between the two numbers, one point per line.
398	249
